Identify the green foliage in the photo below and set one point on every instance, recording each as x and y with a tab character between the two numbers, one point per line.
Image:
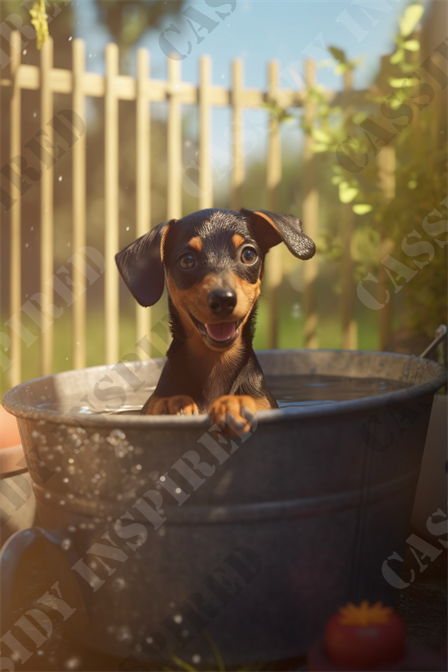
421	173
128	20
39	21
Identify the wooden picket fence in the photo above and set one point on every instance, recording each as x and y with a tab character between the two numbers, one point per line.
114	87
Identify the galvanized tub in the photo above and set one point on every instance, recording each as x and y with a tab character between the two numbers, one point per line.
247	546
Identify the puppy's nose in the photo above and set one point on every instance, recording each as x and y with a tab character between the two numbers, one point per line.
222	301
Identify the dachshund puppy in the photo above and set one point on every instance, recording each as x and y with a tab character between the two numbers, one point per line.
212	263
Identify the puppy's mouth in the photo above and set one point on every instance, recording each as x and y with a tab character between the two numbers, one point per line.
221	334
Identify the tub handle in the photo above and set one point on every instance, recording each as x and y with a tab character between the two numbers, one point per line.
439	335
14	551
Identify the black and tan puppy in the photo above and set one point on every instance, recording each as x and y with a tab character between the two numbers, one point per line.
212	262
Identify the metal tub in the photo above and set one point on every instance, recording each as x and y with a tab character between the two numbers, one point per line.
247	546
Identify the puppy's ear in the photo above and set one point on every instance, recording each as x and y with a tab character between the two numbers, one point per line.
141	265
270	229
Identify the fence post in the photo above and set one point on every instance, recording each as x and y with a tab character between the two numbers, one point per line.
111	205
46	206
205	174
310	213
349	327
143	173
386	175
237	134
79	209
273	176
16	210
174	142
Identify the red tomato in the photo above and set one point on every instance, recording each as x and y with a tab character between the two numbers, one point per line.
373	640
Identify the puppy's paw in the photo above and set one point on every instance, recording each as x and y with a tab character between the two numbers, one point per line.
180	404
234	413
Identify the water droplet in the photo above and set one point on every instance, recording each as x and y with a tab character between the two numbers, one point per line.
47	495
127	228
162	479
196	658
136	468
149	640
66	544
35	114
118	584
178	491
70	460
35	434
70	38
123	634
60	178
71	528
177	618
73	663
65	480
61	502
25	52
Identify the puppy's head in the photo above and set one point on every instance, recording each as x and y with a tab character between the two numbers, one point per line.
212	261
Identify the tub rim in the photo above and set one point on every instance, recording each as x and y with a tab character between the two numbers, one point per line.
112	421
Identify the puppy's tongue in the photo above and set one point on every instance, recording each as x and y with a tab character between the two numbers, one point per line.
221	332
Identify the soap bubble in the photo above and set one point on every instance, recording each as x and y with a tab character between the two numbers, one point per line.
118	584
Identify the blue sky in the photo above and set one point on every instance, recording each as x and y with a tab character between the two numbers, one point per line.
261	30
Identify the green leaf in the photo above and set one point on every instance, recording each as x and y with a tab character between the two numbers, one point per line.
216	652
317	149
359	117
397	57
412	45
407	67
181	663
320	136
347	193
410	18
400	82
341	68
362	208
337	53
39	20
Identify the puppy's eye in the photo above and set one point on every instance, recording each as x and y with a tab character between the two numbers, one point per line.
187	261
249	256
